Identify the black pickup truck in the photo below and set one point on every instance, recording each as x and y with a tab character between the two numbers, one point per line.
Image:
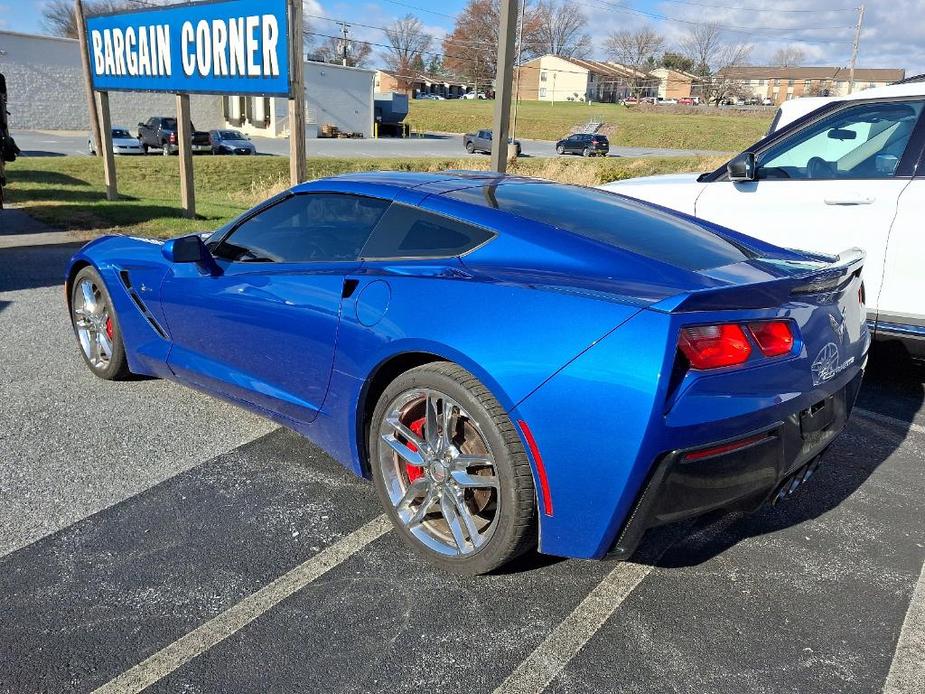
160	132
481	142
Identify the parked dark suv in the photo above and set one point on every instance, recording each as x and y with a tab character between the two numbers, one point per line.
584	144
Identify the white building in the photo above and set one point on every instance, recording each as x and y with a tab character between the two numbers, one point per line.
46	92
46	89
334	94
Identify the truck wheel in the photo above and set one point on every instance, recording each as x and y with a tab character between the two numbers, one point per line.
470	148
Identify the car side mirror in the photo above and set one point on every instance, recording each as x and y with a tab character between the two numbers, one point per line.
742	167
187	249
886	164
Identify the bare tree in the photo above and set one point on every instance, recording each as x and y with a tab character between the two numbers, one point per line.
58	15
331	50
560	31
635	50
790	56
471	49
713	59
407	44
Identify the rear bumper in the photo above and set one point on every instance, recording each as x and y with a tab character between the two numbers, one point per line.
772	463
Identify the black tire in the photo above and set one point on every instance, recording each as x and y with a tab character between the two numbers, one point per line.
515	513
144	147
470	148
117	368
586	152
165	150
560	149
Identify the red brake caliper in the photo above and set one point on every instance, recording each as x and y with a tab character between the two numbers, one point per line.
109	328
415	471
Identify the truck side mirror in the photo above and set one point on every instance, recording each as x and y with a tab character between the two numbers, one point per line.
741	167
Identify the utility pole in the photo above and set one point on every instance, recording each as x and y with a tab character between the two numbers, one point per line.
520	55
298	166
503	82
854	49
344	28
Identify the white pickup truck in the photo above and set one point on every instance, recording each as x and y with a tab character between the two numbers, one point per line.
849	173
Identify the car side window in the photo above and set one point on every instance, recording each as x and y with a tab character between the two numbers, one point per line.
312	227
866	141
409	232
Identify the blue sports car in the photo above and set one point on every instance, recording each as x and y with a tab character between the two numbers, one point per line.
515	363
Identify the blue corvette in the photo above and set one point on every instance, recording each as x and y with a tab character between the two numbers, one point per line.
514	362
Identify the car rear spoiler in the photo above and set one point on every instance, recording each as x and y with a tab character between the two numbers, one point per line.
822	278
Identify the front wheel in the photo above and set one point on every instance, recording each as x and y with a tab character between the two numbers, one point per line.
97	327
451	471
470	148
560	149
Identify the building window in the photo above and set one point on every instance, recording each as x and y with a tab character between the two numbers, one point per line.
761	83
789	83
542	92
807	85
543	76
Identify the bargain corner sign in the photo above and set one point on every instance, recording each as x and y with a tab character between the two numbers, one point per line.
225	47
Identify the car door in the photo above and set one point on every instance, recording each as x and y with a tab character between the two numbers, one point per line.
263	327
830	185
484	142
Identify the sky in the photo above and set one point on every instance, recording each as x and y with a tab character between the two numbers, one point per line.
893	31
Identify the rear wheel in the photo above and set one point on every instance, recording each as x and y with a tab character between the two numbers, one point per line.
97	327
451	470
586	152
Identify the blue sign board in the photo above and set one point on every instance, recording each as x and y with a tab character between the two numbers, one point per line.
225	47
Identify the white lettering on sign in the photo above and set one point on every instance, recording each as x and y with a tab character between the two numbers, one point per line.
236	47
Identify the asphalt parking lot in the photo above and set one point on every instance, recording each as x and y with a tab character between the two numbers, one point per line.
43	143
152	536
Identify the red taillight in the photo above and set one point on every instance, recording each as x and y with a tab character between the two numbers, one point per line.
774	337
714	346
173	137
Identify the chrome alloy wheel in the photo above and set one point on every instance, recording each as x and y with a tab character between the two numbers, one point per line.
439	472
93	322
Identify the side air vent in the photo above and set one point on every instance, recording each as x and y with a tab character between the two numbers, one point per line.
148	316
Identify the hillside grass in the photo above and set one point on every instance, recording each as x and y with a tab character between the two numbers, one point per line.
697	128
68	192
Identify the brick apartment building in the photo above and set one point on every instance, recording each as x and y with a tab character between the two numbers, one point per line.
783	83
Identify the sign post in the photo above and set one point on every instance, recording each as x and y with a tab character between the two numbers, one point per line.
185	145
109	160
297	153
88	80
250	48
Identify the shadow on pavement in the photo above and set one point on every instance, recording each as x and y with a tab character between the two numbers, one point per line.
30	267
893	386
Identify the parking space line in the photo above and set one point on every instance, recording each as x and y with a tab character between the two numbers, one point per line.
220	627
565	641
907	671
886	419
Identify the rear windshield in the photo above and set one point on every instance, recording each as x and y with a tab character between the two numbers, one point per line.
612	220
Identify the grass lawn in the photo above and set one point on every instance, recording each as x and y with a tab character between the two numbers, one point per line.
701	128
68	192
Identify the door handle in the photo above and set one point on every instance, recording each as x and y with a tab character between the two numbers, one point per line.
850	200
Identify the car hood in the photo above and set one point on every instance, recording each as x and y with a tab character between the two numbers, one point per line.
663	180
674	191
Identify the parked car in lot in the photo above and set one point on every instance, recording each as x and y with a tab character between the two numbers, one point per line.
122	143
688	101
231	142
659	101
686	367
849	172
160	132
585	144
481	142
473	95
